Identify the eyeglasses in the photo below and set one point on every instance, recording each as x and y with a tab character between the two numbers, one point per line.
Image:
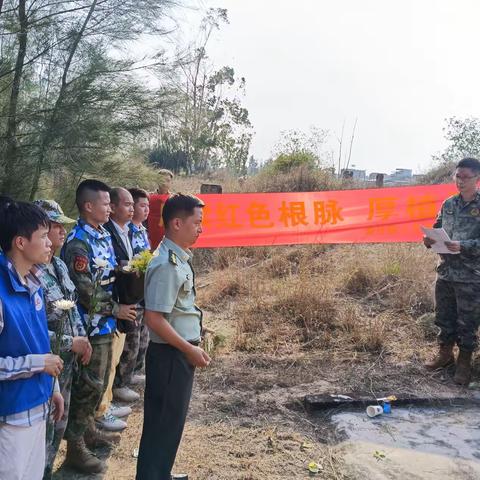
463	178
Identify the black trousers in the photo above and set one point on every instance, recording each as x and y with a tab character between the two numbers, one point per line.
168	388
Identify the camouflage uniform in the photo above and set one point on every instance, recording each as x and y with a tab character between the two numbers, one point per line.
142	348
63	326
457	299
136	341
84	244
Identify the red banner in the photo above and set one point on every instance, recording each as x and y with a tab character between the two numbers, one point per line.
344	216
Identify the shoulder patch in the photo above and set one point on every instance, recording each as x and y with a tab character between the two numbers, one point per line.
172	257
80	263
37	299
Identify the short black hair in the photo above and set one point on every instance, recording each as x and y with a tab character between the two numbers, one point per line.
86	191
469	162
180	205
20	219
5	199
115	194
138	193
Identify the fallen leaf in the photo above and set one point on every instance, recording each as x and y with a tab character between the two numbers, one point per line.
314	467
305	446
379	455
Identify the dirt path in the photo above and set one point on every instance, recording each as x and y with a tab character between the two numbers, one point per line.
246	423
247	420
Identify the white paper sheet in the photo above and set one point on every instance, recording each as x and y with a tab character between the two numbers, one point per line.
440	236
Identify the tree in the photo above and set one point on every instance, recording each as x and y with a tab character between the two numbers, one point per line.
208	124
463	136
10	137
307	144
74	97
174	160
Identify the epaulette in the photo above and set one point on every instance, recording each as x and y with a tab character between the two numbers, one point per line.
451	197
172	257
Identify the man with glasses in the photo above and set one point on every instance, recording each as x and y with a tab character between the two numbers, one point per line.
457	299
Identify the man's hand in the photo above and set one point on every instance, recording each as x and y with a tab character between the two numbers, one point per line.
428	242
82	346
58	406
127	312
453	246
87	355
79	345
198	357
53	364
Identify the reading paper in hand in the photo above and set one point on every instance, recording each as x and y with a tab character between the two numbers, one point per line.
440	236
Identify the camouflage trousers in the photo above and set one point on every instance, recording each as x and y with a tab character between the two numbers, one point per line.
56	430
89	386
133	357
457	313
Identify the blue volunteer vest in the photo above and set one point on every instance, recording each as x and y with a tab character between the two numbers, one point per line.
100	246
139	238
24	332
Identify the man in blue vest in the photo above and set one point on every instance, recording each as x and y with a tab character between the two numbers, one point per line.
27	367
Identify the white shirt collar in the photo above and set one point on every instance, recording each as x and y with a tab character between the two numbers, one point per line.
121	231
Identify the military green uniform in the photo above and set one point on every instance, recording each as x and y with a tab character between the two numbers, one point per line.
457	299
63	326
170	290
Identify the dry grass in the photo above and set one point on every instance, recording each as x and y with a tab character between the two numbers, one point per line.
301	179
352	298
258	453
292	321
191	184
225	286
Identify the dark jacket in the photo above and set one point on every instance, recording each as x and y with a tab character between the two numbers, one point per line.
122	284
121	253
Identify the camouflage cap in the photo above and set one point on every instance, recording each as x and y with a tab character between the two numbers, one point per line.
54	211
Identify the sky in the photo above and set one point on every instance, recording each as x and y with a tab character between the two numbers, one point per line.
398	68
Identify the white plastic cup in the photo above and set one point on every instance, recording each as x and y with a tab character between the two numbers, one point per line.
374	410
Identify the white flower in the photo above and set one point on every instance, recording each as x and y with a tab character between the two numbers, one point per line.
64	304
100	262
127	268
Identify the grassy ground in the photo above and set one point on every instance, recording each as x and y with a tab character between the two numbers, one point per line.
292	321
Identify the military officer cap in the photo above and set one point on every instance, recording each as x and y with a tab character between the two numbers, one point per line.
54	211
